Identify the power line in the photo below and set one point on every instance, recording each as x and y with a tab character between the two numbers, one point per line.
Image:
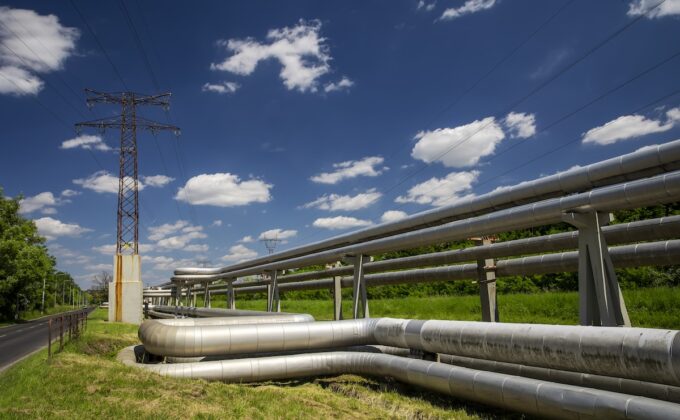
99	44
532	92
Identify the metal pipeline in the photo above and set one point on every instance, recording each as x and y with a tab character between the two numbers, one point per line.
210	312
642	163
644	354
531	396
656	190
653	253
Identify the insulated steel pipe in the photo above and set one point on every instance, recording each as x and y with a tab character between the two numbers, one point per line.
608	383
642	163
644	354
205	312
653	253
531	396
656	190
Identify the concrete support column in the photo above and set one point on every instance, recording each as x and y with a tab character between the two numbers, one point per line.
337	298
600	299
126	290
486	278
359	295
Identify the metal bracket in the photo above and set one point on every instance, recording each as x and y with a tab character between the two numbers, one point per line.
273	298
600	299
359	295
486	279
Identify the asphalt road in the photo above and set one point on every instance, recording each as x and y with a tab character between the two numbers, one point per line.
19	341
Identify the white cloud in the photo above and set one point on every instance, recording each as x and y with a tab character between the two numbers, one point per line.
441	191
335	202
32	43
666	8
460	146
37	202
70	193
277	234
343	84
239	253
105	182
52	228
422	5
221	88
392	216
630	126
157	180
101	182
87	142
351	169
178	236
247	239
216	223
100	267
470	6
110	249
49	210
223	190
340	222
520	124
301	51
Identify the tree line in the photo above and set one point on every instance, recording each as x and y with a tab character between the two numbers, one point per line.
27	268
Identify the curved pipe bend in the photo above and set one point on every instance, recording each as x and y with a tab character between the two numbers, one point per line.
536	397
643	354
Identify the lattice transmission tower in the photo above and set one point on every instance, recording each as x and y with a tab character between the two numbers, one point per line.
127	239
271	243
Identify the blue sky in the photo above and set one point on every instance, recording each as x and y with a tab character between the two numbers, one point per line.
314	118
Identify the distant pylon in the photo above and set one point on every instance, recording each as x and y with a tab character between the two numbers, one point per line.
271	243
127	240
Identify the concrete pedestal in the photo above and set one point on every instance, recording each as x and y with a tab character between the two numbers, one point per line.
125	291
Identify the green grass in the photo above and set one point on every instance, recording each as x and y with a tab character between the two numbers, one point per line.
654	308
85	381
27	316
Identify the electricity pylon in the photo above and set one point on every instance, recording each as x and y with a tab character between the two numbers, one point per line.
127	240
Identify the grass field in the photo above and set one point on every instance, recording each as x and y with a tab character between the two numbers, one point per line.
85	381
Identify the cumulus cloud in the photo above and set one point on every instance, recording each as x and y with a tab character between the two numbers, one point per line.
392	216
279	234
469	7
40	201
438	192
247	239
666	8
460	146
52	228
342	84
630	126
301	51
221	88
336	202
157	180
340	222
216	223
31	44
69	193
223	190
422	5
519	124
110	249
178	236
87	142
367	166
239	253
105	182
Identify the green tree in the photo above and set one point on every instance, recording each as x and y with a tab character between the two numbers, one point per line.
24	261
